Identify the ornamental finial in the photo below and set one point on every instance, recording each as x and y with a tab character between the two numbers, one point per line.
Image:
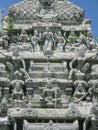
46	2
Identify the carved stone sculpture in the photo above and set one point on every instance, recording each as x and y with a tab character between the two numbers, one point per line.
73	111
23	42
65	68
93	117
5	22
51	125
60	42
50	95
46	2
83	40
80	85
49	41
35	41
4	40
48	67
6	121
17	94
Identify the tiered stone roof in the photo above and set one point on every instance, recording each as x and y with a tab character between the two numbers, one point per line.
60	11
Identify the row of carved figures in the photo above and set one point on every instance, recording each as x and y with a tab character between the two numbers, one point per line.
49	94
51	41
78	64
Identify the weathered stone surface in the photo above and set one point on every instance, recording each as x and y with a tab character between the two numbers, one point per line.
48	68
62	11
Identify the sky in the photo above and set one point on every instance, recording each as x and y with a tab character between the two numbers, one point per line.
90	7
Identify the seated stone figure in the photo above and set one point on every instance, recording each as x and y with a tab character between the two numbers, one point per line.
80	91
17	92
80	85
84	41
23	36
91	41
50	95
23	43
49	41
60	41
17	95
82	65
35	41
87	41
82	38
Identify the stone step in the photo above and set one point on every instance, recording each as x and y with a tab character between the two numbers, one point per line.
52	64
42	69
38	82
43	66
40	74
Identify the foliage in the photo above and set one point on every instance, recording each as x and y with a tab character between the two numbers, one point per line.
84	33
10	26
73	39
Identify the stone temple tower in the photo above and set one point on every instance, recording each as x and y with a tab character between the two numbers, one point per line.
48	68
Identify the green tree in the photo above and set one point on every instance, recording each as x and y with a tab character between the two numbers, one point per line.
10	26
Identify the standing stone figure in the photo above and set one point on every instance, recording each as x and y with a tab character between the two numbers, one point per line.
48	35
35	41
65	69
31	66
4	22
60	41
4	40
